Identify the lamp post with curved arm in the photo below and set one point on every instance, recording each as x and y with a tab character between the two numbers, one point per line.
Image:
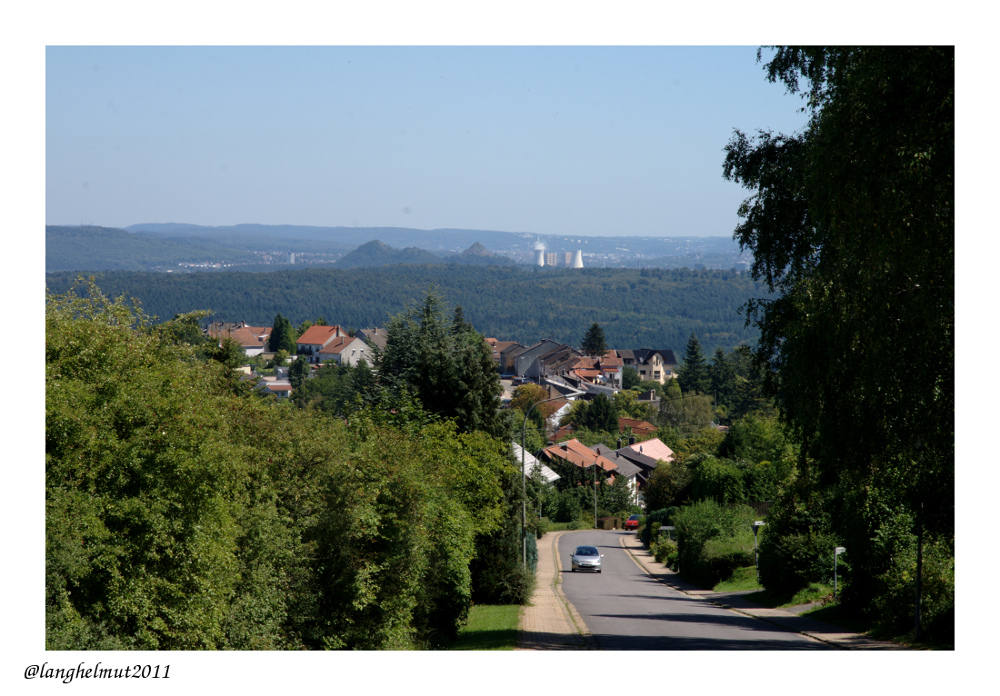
524	485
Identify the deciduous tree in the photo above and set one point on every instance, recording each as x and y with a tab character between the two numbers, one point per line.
852	222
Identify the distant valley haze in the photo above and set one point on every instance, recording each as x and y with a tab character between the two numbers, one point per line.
254	247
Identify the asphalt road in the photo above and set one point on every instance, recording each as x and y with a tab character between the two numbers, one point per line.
625	609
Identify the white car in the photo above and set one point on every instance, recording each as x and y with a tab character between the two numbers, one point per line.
586	558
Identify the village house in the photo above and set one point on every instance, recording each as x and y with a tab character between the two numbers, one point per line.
626	469
498	347
573	453
316	338
655	365
346	350
376	337
252	339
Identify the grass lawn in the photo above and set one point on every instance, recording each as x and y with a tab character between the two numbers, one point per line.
490	627
741	580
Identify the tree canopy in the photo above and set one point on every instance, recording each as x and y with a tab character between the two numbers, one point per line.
448	366
852	222
282	335
184	510
693	375
593	341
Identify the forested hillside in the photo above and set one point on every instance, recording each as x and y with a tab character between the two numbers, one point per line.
376	253
648	308
71	248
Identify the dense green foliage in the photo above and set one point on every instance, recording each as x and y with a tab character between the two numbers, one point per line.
186	511
447	365
692	375
282	336
594	341
651	308
852	222
713	540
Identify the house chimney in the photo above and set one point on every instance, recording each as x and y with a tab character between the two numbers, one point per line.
631	439
619	443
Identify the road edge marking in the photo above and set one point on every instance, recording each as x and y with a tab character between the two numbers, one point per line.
573	616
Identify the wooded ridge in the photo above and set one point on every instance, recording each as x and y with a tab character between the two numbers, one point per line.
652	308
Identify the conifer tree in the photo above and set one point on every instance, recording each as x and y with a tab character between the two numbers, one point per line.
282	335
594	341
693	374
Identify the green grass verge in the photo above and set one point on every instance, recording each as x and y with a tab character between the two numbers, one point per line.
742	579
490	627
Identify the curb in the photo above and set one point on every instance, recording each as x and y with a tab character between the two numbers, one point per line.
785	620
550	621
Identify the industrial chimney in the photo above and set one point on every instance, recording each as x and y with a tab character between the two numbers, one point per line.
577	259
539	253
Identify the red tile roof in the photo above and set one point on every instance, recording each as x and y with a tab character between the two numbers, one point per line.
639	427
578	454
320	335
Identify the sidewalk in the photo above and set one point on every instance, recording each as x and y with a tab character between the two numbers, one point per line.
736	601
550	622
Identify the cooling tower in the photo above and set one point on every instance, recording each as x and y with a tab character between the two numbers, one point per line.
577	259
539	253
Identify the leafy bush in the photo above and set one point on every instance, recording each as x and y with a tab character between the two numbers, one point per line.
665	551
719	480
796	545
895	606
183	511
564	506
661	517
790	562
724	555
702	522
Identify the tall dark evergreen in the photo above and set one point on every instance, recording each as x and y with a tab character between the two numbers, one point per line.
594	341
297	372
600	415
447	365
693	374
282	335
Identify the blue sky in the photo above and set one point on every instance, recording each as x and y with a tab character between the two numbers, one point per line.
614	141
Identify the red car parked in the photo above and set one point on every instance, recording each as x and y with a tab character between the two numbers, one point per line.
632	522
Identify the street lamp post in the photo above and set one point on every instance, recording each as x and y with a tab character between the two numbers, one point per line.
524	485
756	558
595	494
836	552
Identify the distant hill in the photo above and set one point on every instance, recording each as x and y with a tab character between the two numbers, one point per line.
92	248
671	249
478	255
376	253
